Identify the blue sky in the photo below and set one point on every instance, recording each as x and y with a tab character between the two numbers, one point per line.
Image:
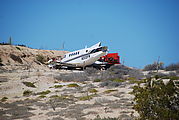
139	30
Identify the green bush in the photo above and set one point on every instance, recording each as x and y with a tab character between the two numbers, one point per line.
29	84
83	98
21	45
27	93
93	90
97	80
157	101
42	96
58	86
44	92
18	48
4	99
40	58
73	85
109	91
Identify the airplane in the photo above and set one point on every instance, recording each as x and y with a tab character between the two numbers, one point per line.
83	57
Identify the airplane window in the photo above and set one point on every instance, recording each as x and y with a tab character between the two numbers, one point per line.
93	51
96	50
86	50
99	49
78	52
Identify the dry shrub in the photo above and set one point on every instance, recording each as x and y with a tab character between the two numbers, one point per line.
29	84
119	72
154	66
109	83
41	59
27	93
16	58
91	71
4	99
77	77
172	67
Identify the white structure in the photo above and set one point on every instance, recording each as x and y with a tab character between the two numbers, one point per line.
84	57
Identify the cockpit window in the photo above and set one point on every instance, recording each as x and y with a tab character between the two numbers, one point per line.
104	49
96	50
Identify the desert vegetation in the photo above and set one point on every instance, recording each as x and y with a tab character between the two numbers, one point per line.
160	66
27	93
108	118
1	62
29	84
73	85
41	58
156	100
171	67
117	93
154	66
58	86
16	58
18	48
43	92
4	99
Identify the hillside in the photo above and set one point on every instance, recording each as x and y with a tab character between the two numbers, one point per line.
19	57
29	90
44	93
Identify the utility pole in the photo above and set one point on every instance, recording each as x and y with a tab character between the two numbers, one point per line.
63	46
10	40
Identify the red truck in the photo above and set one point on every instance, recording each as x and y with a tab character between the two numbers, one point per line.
107	61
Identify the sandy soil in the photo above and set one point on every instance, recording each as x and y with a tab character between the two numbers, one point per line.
67	105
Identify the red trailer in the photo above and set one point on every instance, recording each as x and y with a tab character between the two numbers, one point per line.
111	58
107	61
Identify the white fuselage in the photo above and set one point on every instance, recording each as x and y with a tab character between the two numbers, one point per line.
84	57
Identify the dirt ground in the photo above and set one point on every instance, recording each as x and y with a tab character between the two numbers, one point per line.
54	99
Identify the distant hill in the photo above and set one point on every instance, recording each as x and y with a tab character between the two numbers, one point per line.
14	57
